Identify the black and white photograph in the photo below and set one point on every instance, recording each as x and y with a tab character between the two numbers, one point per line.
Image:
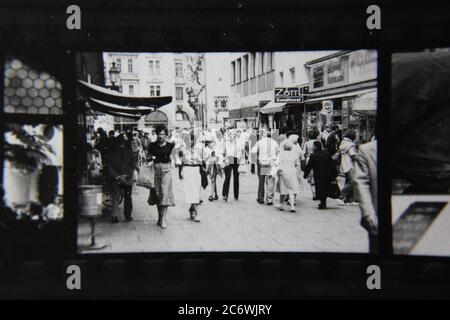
420	118
33	172
227	151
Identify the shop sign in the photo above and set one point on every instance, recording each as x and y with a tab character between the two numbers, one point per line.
318	76
327	107
290	94
362	65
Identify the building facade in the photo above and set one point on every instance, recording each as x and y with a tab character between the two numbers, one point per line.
343	91
254	77
153	75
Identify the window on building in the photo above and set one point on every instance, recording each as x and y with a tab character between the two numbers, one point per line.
178	69
152	91
292	71
154	67
158	91
233	72
261	63
130	66
281	78
179	93
253	65
245	68
131	89
151	67
238	71
318	76
119	64
223	103
269	61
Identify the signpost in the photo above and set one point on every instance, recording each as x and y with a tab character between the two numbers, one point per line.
291	94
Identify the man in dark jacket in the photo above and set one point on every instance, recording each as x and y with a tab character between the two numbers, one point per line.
324	172
121	166
332	143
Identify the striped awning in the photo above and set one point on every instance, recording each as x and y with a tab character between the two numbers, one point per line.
119	104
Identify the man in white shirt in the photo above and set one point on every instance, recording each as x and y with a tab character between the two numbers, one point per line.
233	154
266	150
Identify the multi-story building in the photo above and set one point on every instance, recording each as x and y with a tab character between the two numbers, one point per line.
343	92
254	77
152	75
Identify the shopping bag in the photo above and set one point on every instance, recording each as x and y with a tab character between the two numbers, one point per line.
152	197
146	176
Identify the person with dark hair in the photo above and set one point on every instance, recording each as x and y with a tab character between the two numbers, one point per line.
324	172
253	138
159	152
332	141
326	131
348	154
266	150
121	167
192	158
232	153
101	144
308	151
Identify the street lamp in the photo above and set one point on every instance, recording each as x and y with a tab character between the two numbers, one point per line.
114	76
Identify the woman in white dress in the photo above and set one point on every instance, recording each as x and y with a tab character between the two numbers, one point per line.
191	158
287	186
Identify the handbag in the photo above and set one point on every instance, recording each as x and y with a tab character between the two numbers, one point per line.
334	192
152	197
146	177
204	175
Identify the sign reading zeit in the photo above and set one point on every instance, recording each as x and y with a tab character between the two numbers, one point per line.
293	94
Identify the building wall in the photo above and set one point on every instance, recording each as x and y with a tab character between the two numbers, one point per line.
281	62
141	78
217	84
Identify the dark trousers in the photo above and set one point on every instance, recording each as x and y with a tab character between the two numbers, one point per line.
226	184
48	185
127	200
266	185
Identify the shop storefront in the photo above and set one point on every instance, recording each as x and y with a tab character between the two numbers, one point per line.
343	92
243	118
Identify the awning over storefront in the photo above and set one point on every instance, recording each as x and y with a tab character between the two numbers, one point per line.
272	107
116	110
366	103
117	104
341	95
93	91
243	113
